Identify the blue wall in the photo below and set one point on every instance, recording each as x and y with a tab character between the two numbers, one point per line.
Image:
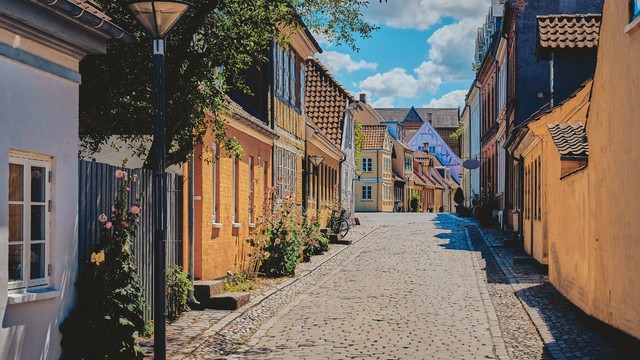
532	75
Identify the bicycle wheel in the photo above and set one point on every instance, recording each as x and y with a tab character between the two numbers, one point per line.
344	228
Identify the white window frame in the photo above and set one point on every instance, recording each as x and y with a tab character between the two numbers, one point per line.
366	192
367	164
215	185
27	161
236	175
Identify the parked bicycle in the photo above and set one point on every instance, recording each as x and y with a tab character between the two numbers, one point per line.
338	223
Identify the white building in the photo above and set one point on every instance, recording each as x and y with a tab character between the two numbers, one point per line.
41	45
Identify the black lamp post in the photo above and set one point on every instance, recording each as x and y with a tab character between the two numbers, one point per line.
159	18
316	160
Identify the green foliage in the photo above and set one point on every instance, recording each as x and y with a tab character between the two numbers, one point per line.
178	287
359	139
314	243
458	197
109	312
483	210
416	204
459	131
277	240
233	35
238	282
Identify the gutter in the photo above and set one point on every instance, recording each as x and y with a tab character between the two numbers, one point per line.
88	19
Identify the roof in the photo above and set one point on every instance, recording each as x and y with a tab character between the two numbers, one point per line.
241	114
439	118
373	111
374	136
570	139
325	100
574	31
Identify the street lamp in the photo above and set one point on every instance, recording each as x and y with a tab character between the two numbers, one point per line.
159	18
358	173
316	160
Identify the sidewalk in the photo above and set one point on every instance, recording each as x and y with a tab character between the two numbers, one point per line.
566	332
219	332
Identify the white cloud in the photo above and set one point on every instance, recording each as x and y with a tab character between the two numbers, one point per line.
337	62
422	14
449	59
322	39
383	102
454	99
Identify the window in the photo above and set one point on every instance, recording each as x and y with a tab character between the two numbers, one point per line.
236	176
29	207
432	149
367	164
407	164
289	77
215	185
366	192
287	172
635	9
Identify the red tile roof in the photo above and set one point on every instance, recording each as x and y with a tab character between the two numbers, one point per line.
569	31
325	100
374	136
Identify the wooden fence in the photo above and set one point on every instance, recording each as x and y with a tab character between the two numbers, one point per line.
97	194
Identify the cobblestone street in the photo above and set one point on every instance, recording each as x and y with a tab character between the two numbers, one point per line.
411	286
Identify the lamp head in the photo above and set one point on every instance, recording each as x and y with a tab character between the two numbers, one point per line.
316	160
158	18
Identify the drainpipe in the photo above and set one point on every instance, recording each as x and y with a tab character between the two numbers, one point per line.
521	187
191	215
340	180
272	111
551	80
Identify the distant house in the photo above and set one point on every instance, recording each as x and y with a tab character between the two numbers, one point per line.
41	47
374	188
444	121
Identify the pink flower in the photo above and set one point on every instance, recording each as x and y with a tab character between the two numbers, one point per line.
125	175
120	174
134	178
113	208
297	228
102	218
135	210
125	224
266	254
108	225
277	241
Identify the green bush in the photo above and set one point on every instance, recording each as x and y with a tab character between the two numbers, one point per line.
314	242
238	282
178	287
109	313
415	204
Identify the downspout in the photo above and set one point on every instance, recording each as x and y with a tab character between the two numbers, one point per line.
191	215
551	80
272	111
340	180
521	200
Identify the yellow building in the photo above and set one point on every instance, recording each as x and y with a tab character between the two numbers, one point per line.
374	188
228	195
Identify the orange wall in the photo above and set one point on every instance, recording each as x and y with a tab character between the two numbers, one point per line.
218	250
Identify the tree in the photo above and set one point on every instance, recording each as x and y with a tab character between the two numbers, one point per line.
359	139
458	196
233	35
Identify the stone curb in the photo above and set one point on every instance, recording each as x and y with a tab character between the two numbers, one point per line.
223	322
500	348
541	327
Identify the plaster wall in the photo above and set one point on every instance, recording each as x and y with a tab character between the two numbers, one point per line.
39	114
614	240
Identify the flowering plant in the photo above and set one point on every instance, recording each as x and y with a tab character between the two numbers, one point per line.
314	242
277	241
109	314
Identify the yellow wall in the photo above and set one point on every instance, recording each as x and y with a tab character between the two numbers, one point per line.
534	231
218	250
377	203
612	284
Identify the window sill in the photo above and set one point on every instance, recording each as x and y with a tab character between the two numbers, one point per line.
216	225
252	225
368	200
32	295
632	25
236	225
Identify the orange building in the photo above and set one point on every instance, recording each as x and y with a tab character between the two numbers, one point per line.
229	194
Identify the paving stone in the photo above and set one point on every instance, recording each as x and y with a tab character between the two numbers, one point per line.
229	301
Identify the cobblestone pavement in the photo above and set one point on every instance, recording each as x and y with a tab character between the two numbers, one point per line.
411	291
411	286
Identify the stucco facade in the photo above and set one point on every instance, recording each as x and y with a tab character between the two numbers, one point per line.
40	52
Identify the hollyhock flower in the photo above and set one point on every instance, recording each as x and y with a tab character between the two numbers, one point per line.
125	224
135	210
266	254
125	175
119	174
277	241
108	225
102	218
97	258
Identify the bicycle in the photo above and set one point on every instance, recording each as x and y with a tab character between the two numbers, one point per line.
338	223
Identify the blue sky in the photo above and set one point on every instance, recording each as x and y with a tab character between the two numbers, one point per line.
421	56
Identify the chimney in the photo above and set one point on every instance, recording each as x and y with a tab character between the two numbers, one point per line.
363	98
426	147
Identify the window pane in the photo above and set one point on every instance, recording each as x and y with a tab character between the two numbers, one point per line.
38	175
16	182
636	8
37	222
37	261
15	262
15	223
